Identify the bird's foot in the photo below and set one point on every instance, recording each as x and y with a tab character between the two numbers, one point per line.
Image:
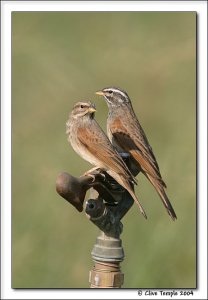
89	173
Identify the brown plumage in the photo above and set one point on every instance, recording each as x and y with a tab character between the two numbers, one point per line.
126	133
91	143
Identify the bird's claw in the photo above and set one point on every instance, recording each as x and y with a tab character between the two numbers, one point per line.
103	176
90	175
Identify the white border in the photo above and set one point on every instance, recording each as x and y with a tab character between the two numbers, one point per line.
6	8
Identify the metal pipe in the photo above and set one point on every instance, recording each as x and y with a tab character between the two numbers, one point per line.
108	204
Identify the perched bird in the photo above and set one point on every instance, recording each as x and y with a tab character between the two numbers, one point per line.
126	134
91	143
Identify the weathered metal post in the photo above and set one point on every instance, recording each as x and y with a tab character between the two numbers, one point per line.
107	205
107	252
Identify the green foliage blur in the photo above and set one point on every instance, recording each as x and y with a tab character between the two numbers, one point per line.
59	58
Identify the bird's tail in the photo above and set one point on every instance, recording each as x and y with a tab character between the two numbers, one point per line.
161	192
124	182
136	200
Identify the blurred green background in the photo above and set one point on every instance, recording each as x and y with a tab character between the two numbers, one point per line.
59	58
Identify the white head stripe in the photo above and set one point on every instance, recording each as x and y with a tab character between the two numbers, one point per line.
117	91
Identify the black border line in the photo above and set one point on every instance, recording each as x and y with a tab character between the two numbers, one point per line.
147	288
197	128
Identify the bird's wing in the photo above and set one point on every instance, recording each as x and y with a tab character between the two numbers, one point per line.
98	145
137	145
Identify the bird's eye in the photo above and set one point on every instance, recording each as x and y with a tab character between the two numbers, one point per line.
110	92
82	106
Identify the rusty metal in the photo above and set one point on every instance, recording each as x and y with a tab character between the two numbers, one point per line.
106	275
73	189
108	204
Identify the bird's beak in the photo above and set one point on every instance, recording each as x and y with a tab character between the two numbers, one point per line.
91	109
100	93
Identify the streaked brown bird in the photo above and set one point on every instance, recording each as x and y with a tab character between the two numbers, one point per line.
126	134
91	143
